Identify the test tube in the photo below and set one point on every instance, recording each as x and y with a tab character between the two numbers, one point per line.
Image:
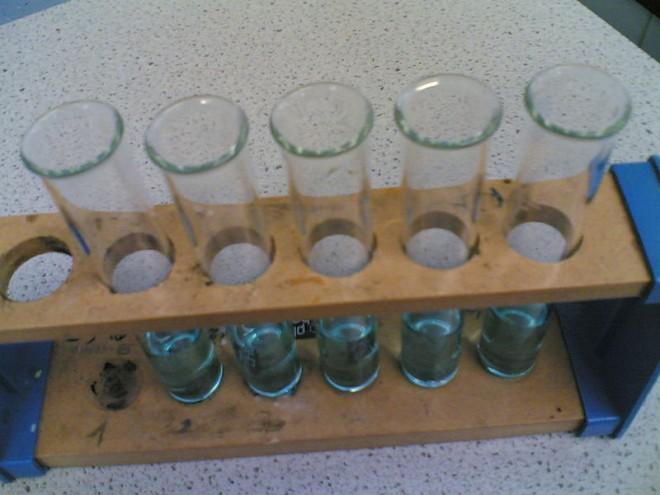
322	129
431	346
576	111
200	144
349	351
186	363
79	152
447	120
511	338
266	353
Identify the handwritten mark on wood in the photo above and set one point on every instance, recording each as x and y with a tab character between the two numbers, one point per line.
494	193
99	432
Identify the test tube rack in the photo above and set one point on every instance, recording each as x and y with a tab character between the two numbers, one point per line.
94	332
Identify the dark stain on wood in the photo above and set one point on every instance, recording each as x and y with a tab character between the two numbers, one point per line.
31	218
228	412
221	431
185	427
130	366
116	386
268	425
123	349
265	423
292	282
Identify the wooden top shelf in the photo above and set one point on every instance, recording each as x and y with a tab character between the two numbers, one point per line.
609	264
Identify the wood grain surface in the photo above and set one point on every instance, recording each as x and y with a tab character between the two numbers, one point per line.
609	264
77	431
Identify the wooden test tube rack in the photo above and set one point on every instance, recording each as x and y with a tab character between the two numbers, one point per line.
80	315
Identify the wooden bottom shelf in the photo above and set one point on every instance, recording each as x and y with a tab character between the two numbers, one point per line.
76	431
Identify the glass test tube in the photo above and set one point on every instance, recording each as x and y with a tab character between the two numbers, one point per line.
511	338
447	120
431	346
267	356
348	350
78	150
200	144
186	363
577	110
322	130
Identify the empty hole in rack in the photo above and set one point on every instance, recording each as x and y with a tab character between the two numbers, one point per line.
34	269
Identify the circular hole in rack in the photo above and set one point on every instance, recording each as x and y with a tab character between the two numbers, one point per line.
34	269
440	240
543	234
238	255
137	262
339	248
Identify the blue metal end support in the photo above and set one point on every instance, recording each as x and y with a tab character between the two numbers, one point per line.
614	345
639	184
582	324
10	10
23	375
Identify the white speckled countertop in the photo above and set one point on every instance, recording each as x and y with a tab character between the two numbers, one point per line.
139	56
